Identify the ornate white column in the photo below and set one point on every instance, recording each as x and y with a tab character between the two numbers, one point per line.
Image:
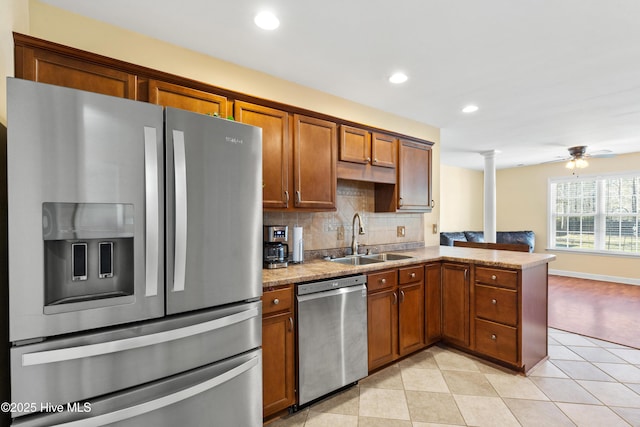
490	195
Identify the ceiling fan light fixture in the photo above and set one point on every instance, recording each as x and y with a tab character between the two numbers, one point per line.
577	157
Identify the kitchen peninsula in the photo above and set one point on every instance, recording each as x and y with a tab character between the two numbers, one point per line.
490	303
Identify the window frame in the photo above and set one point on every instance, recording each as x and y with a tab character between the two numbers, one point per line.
599	214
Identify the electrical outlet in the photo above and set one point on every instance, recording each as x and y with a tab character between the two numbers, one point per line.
341	232
435	228
400	231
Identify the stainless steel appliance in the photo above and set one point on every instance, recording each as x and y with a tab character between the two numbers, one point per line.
332	335
134	270
275	250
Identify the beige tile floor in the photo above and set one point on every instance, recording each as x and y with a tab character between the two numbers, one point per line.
585	382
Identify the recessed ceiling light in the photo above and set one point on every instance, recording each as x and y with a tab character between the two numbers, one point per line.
470	109
398	78
267	21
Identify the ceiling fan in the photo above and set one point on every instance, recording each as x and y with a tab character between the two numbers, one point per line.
579	155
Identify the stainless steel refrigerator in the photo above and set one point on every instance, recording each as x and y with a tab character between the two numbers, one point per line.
134	262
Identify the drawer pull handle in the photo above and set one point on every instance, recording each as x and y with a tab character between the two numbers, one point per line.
401	296
276	301
494	337
383	281
395	298
494	277
494	301
413	275
290	324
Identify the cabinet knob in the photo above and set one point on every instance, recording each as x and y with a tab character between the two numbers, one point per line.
368	159
413	275
494	337
494	277
383	281
494	301
276	301
375	160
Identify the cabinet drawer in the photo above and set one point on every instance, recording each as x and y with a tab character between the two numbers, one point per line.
411	274
277	300
497	277
496	340
499	305
382	280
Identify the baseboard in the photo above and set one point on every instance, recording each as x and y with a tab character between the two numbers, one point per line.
601	277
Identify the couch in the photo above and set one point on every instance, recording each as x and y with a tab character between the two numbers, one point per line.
522	237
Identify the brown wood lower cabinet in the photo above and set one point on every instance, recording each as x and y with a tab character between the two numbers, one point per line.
395	314
455	303
382	318
278	357
410	309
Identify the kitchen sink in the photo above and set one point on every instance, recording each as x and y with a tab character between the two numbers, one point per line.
387	257
370	259
356	260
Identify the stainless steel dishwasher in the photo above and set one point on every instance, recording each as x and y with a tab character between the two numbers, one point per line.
332	335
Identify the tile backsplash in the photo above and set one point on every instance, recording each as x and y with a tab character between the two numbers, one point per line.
321	229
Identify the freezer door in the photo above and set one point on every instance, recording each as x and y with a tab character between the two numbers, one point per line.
214	211
226	394
89	365
86	210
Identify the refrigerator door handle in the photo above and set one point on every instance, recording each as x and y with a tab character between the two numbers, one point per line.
107	347
180	176
152	209
153	405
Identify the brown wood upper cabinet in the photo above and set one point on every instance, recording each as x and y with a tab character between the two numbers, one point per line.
315	146
363	147
414	176
44	66
367	156
276	151
185	98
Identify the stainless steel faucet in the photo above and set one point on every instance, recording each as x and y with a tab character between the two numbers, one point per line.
354	239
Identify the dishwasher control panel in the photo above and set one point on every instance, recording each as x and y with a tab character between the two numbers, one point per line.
327	285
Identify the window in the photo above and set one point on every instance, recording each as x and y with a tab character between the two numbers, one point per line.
598	213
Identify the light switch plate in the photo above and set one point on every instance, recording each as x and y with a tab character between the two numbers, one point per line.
401	231
341	232
435	228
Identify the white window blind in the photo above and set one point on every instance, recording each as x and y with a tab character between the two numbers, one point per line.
595	213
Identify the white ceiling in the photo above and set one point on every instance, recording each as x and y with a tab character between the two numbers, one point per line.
546	74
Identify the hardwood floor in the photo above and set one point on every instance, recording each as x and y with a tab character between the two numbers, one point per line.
604	310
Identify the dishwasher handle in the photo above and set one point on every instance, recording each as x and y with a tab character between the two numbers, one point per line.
333	292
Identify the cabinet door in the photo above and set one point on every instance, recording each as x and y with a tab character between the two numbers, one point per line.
382	318
355	145
433	302
278	380
383	150
275	150
47	67
185	98
414	176
455	303
314	168
411	317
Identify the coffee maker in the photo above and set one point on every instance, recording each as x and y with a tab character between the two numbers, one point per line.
276	250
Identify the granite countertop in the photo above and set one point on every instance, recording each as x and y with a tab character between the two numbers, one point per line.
321	269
